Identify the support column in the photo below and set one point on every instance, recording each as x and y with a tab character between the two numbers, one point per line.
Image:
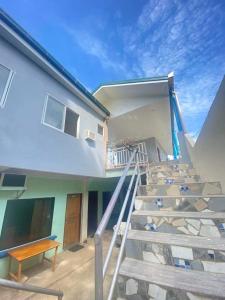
100	205
84	212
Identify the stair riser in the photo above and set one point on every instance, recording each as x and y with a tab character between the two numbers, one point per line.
128	288
203	227
178	190
182	257
181	204
164	179
173	168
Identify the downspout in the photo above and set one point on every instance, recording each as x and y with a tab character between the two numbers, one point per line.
174	137
185	155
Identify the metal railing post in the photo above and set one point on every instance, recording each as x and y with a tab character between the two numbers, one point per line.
122	156
116	271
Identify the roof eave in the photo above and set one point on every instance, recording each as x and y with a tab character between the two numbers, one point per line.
130	82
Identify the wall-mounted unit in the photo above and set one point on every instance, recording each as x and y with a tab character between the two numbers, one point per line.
90	135
12	181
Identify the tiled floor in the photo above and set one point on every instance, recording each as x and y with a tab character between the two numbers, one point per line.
74	275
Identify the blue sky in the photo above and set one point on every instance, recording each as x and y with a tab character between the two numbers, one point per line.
107	40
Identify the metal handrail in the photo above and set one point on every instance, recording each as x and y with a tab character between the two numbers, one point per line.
30	288
100	267
123	241
118	224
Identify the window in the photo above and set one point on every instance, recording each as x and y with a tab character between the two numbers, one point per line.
54	114
71	122
26	220
59	116
100	129
5	81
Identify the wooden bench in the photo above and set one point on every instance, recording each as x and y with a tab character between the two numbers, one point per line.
23	253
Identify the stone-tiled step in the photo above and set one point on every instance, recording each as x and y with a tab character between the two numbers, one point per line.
171	169
190	223
178	240
142	280
165	165
196	188
181	214
184	251
181	203
173	179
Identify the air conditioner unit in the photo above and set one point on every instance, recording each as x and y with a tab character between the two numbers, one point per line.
12	180
90	135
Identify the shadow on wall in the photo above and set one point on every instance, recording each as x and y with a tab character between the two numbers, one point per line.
208	153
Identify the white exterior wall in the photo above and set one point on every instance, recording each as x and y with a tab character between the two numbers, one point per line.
25	142
208	154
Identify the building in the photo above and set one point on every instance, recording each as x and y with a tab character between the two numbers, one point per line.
55	140
64	149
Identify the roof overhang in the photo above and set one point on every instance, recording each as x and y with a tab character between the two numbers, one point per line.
140	109
157	87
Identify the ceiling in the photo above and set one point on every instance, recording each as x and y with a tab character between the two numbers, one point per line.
149	89
144	122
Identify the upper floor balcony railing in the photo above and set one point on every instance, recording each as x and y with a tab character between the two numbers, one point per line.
118	157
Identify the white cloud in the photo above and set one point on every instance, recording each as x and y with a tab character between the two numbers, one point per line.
168	35
94	46
174	36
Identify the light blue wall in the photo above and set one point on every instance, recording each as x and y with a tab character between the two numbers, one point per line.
26	143
38	187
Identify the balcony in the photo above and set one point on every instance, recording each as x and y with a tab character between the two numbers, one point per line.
118	157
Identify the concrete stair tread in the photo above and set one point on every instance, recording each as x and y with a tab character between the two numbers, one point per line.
204	283
153	184
169	163
178	239
149	197
177	183
180	214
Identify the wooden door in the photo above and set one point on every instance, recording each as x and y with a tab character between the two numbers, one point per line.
72	221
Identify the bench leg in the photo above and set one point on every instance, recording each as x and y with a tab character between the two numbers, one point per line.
54	259
19	271
43	257
10	263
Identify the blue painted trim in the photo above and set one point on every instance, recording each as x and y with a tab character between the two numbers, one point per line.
176	148
49	58
4	253
177	115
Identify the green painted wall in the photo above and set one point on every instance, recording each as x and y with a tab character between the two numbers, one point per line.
38	187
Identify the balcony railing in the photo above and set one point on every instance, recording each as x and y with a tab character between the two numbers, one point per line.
118	157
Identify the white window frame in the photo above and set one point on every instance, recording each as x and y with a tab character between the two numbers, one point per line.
64	117
45	109
7	86
78	123
103	130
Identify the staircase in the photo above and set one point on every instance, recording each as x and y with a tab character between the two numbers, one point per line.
175	248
